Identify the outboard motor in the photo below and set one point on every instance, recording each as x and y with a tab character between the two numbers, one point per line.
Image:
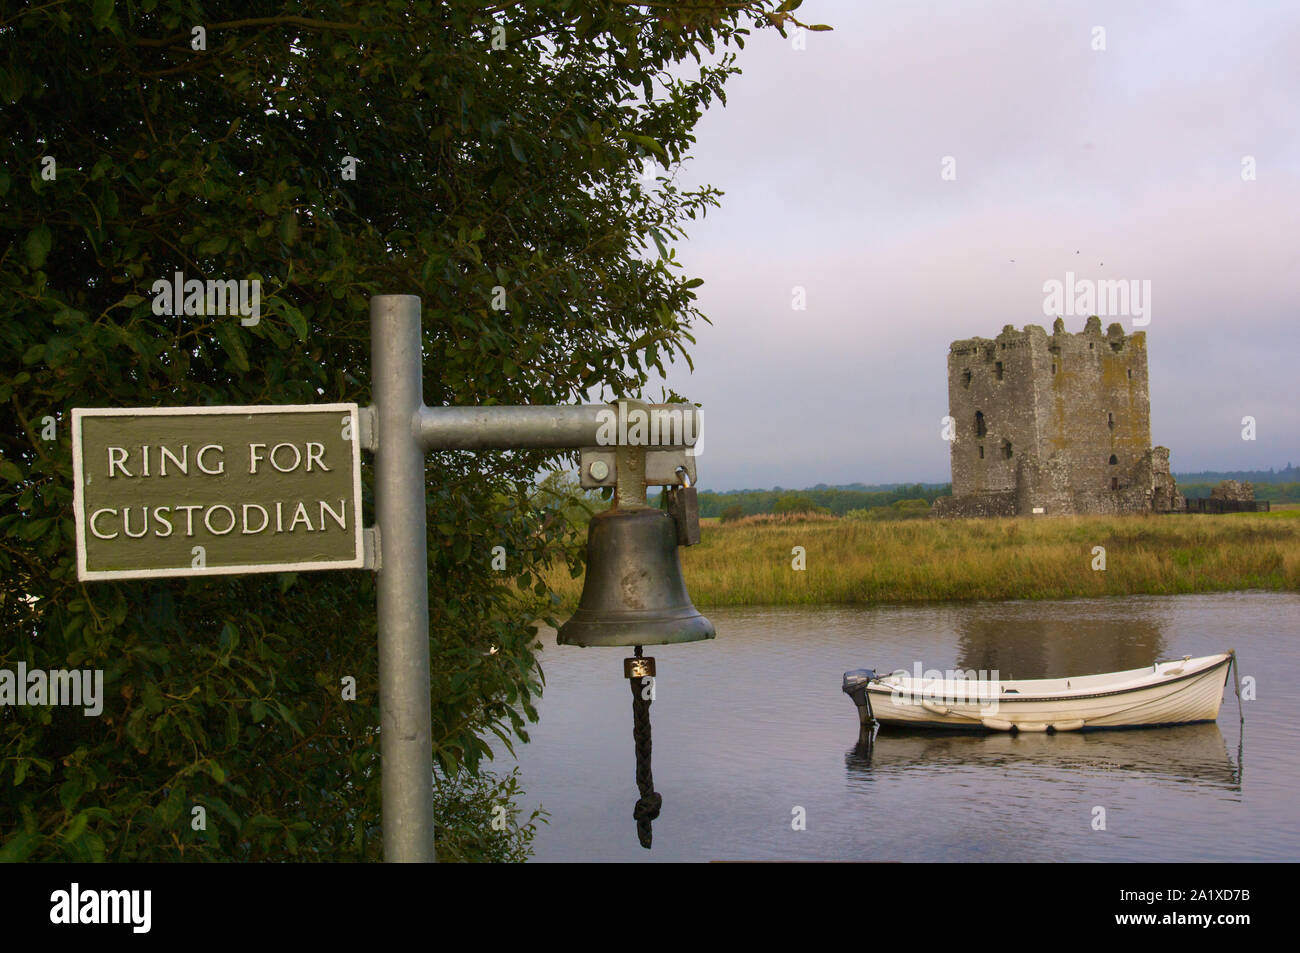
855	686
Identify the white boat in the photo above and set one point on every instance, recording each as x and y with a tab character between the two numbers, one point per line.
1166	693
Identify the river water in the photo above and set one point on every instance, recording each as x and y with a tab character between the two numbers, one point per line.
751	733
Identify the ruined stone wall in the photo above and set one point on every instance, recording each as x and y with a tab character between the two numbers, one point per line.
991	396
1165	497
1243	491
1045	487
975	504
1094	406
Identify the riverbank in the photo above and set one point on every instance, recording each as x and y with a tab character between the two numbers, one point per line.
753	561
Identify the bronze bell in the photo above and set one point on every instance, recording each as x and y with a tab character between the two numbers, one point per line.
634	593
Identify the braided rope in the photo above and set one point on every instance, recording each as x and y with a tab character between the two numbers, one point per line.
647	806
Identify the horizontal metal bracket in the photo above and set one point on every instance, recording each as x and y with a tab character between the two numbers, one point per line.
598	466
370	549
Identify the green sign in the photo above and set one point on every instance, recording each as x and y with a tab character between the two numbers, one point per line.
191	491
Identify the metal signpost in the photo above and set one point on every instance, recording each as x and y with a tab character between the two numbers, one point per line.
190	491
404	430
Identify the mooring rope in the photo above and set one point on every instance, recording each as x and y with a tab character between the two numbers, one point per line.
1241	719
647	806
1236	670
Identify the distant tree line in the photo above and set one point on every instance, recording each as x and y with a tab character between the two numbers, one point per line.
836	501
1289	474
1274	492
856	499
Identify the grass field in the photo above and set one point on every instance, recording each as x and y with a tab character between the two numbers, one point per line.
751	561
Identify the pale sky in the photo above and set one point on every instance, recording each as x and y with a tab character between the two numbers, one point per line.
830	158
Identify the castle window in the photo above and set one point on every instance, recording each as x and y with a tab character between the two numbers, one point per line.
1130	373
1114	483
1090	346
997	369
1053	368
965	378
1110	421
1006	449
980	429
981	451
1113	459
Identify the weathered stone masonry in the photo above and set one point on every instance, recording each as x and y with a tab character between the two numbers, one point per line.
1054	424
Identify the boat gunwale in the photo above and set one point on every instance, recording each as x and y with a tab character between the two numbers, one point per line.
1226	660
967	729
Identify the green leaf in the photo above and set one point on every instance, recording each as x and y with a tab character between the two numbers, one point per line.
289	228
295	319
9	472
101	12
70	792
170	811
652	145
37	246
76	828
229	335
152	697
19	847
34	529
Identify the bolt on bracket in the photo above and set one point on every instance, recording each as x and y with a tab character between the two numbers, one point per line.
598	466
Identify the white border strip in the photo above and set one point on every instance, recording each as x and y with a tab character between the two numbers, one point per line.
79	502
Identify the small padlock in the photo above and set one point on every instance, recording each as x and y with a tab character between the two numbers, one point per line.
684	508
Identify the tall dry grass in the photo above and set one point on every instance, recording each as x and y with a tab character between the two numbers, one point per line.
749	562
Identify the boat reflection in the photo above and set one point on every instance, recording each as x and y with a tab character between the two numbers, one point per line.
1180	754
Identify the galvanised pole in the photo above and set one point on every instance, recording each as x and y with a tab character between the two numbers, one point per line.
403	429
406	746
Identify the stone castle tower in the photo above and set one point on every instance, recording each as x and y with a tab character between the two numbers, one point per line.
1054	424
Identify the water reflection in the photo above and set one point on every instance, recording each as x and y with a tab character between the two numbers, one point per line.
1194	755
1017	645
754	722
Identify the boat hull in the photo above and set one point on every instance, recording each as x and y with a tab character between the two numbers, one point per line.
1169	693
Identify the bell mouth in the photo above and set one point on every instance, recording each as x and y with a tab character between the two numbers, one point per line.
635	627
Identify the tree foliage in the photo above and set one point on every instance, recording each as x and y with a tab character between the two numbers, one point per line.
835	500
1273	492
497	153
